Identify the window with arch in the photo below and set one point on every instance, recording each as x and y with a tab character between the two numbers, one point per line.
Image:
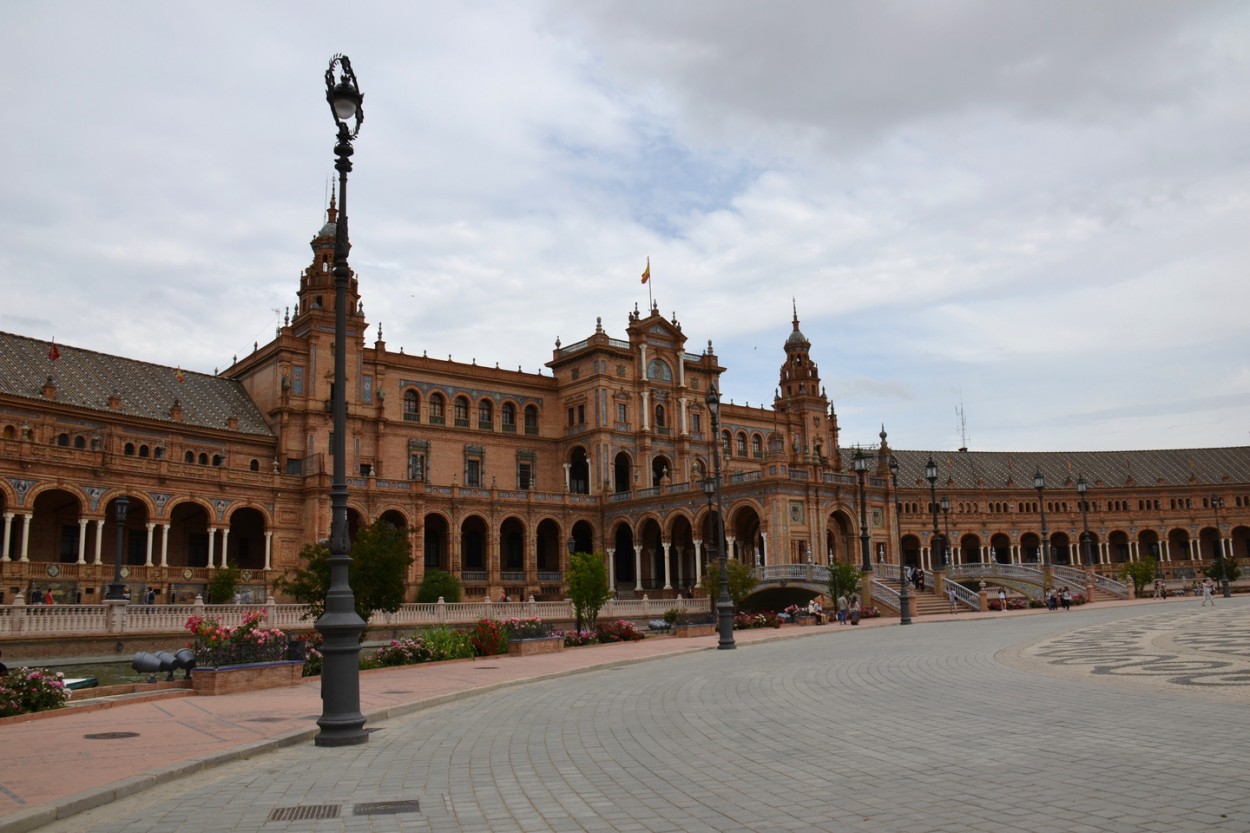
144	451
62	439
726	439
254	465
486	415
203	459
742	444
462	412
128	449
189	457
659	371
659	416
531	419
757	445
80	442
218	459
507	417
412	406
437	409
159	453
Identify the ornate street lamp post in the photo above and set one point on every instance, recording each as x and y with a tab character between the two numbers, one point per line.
1039	483
1217	503
1087	555
938	549
904	596
117	589
341	722
861	471
724	605
946	522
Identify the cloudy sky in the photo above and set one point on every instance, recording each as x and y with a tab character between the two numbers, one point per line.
1038	211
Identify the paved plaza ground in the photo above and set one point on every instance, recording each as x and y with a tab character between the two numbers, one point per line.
1112	718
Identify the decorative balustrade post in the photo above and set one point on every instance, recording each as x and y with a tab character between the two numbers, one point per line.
440	609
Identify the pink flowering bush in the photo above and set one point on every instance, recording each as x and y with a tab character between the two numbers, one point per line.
31	690
530	628
622	630
575	639
216	645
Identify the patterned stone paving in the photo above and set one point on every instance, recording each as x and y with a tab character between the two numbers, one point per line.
1202	648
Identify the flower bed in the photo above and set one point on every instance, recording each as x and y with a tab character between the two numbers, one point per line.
216	645
249	677
535	645
25	690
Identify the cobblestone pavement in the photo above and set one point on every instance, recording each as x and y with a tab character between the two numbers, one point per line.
1113	720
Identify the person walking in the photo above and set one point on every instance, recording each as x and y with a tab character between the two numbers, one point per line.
951	597
1208	595
1065	598
842	608
1002	599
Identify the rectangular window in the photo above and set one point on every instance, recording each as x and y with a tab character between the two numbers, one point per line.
572	417
622	413
416	467
525	476
473	473
581	414
697	423
297	381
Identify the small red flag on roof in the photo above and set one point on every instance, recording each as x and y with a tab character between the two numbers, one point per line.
53	353
180	376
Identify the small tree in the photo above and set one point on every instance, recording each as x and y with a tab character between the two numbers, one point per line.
844	580
1222	568
588	587
741	582
380	562
1140	573
439	584
222	585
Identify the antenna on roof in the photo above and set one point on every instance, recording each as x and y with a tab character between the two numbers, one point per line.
963	424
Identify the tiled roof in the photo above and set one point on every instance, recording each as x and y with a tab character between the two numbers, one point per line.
1102	469
86	379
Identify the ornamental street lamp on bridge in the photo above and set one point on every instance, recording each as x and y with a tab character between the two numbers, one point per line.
1039	483
1217	503
904	596
937	550
341	722
1087	555
117	589
946	521
861	471
724	604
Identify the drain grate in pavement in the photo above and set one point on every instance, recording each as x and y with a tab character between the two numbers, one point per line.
304	812
266	720
387	808
111	735
395	691
485	667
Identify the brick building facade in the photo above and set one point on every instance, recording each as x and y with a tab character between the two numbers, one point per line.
497	473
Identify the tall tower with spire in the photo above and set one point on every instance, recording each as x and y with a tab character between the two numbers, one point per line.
803	411
316	283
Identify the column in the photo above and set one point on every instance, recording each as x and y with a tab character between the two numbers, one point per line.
763	548
567	482
668	572
212	541
99	537
4	541
698	561
1164	553
164	545
82	540
681	573
1133	553
730	552
268	547
26	537
225	537
637	567
646	409
147	562
611	571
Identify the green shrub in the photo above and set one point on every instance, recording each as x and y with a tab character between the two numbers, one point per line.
438	584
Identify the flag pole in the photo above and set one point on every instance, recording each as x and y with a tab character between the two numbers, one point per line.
646	278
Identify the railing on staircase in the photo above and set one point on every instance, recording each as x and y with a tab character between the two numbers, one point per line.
1078	578
815	573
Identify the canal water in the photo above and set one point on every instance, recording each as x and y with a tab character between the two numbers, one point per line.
108	673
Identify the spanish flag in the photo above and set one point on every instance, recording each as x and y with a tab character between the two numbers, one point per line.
54	353
180	376
646	273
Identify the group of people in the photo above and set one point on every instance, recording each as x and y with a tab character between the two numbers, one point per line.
915	576
1058	597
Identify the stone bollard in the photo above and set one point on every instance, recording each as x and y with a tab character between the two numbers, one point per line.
985	598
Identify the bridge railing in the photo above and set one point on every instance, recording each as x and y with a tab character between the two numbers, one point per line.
817	573
1077	578
68	620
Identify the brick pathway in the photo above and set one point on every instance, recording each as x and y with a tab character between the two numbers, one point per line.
1010	722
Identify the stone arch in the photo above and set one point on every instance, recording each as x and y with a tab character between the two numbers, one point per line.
474	544
245	546
661	469
583	533
622	538
436	542
839	539
1000	548
548	545
622	472
911	550
512	547
1117	542
970	549
579	470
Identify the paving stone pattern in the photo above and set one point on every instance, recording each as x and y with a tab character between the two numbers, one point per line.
1101	720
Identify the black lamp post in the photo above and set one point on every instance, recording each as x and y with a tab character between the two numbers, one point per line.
724	605
1086	539
861	471
1217	503
1039	483
117	590
341	722
904	596
938	554
945	503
